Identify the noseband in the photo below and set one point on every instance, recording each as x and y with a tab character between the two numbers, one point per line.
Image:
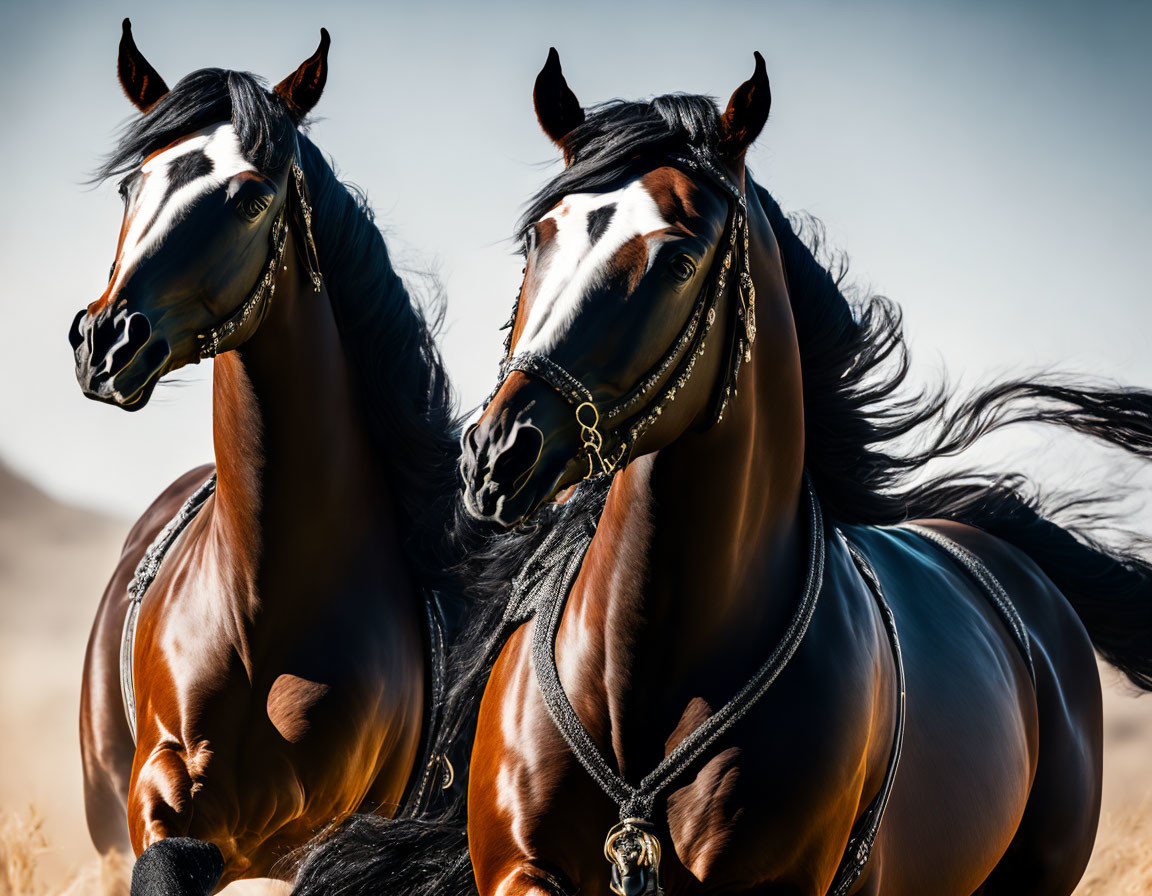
219	338
609	431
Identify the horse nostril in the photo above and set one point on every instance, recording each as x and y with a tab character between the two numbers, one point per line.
138	330
75	336
518	457
136	333
117	342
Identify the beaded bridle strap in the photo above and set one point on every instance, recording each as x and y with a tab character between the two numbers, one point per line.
145	574
620	423
254	308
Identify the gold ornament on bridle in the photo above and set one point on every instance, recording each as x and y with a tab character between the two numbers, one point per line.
629	417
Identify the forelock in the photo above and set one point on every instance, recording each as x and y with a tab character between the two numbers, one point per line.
620	140
206	97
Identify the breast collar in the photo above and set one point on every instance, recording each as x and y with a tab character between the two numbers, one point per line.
632	846
433	771
610	430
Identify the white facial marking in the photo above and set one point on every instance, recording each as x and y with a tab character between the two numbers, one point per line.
153	212
574	262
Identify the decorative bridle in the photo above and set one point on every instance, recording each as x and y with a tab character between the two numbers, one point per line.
609	431
219	338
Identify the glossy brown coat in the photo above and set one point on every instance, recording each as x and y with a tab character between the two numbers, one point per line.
689	582
280	661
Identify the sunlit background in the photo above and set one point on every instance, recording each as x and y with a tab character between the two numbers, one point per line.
986	164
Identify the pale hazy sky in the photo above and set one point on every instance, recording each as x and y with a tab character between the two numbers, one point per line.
986	164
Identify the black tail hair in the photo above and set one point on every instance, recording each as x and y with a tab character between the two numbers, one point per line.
1109	588
426	853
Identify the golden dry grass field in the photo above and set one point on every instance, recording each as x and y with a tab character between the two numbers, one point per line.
54	560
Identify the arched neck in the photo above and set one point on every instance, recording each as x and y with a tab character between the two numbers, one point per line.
717	514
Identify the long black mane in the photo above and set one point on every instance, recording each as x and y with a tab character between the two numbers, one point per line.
396	368
867	435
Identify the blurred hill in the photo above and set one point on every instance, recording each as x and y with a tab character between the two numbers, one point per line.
54	562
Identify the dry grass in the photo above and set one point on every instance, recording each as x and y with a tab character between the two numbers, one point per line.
22	846
1122	861
22	842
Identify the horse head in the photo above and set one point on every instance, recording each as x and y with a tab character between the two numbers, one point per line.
206	215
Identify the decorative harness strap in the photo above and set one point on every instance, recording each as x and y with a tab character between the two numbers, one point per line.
632	846
420	787
146	571
863	836
989	584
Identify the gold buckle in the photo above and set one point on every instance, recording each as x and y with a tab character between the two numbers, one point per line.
591	438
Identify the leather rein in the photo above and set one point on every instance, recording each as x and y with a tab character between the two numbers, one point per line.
610	430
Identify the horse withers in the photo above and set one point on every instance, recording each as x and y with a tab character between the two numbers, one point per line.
266	654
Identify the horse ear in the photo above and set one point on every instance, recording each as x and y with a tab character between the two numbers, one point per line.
746	114
301	90
140	81
557	108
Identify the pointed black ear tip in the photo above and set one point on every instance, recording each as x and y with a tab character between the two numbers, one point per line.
761	67
553	60
325	40
126	26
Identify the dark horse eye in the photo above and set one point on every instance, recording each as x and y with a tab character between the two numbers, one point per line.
682	268
252	208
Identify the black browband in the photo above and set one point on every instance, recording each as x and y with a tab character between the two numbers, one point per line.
630	416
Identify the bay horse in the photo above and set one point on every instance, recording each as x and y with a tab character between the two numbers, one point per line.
756	678
278	642
780	661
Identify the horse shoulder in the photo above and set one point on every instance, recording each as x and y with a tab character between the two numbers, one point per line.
815	746
106	743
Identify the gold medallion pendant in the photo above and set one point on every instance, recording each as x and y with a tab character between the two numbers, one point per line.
634	853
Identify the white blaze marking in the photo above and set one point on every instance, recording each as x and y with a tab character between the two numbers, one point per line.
575	263
151	223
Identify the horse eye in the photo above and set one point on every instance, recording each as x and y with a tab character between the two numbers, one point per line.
252	208
123	190
682	268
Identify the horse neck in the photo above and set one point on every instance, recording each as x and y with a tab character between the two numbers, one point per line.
708	530
297	485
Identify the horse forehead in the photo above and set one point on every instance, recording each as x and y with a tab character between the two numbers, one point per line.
676	194
218	144
173	178
580	215
586	239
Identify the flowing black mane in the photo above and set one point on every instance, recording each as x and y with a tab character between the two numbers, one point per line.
854	358
397	370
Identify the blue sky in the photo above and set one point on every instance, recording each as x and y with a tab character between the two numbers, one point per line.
984	164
